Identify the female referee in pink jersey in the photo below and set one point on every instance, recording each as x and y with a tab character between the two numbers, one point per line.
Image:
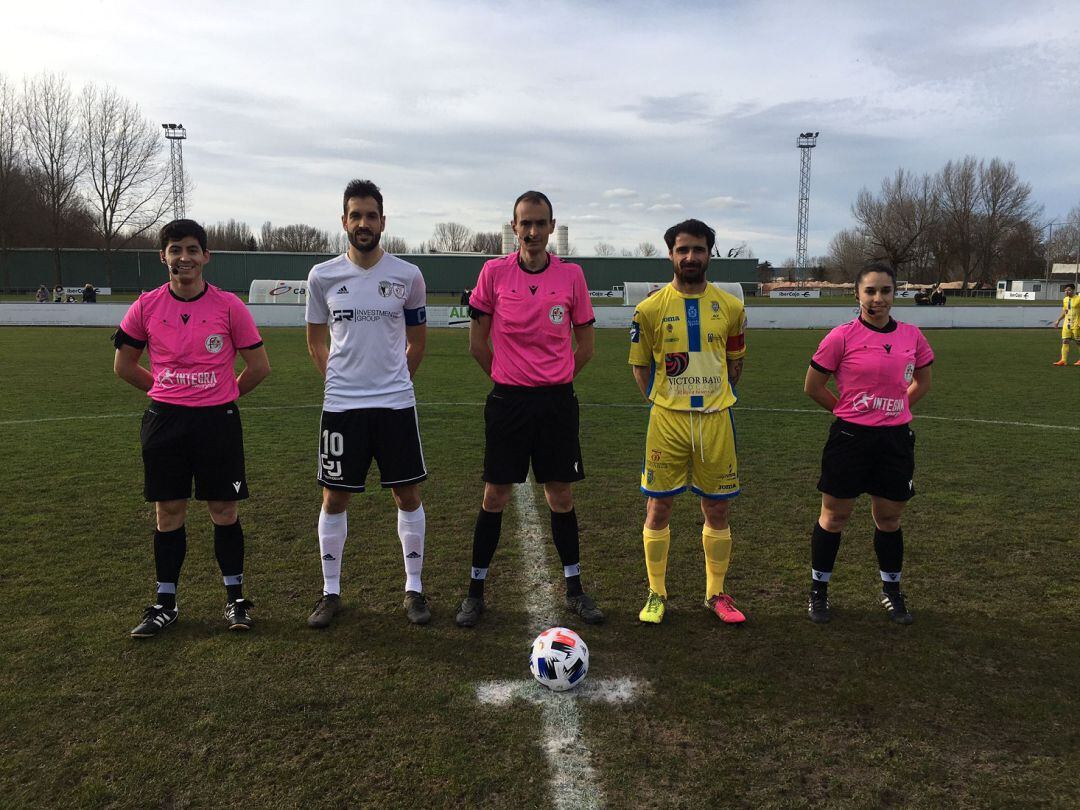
881	368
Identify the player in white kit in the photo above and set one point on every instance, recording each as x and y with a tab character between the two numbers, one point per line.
366	330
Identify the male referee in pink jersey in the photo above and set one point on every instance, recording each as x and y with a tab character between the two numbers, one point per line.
532	333
191	429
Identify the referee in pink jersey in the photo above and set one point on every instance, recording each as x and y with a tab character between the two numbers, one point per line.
881	368
192	332
532	333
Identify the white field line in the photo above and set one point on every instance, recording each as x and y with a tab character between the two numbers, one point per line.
573	778
739	408
539	592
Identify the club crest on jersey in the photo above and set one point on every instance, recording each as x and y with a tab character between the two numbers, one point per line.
391	288
715	306
557	314
909	372
214	344
635	332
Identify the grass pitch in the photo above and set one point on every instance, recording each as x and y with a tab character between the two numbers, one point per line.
973	705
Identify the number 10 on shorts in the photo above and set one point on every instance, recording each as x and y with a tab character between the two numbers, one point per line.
332	444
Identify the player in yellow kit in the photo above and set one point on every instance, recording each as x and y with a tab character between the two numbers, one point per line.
686	351
1070	313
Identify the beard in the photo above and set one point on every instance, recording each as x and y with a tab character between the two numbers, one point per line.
354	240
691	275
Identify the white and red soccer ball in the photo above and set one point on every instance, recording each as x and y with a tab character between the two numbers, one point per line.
559	659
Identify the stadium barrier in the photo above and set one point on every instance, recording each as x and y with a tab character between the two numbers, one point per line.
1018	317
634	292
277	292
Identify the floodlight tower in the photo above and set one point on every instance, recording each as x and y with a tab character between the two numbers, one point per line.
805	142
176	135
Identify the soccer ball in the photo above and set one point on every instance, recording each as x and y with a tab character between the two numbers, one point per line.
559	659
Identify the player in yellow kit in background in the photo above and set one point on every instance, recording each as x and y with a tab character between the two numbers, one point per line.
686	351
1070	313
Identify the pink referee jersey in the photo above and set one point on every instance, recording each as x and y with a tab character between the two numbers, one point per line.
532	317
192	344
873	369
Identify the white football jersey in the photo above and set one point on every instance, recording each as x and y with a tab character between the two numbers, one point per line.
367	311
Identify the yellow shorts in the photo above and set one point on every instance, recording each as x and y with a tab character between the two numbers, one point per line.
1070	330
690	448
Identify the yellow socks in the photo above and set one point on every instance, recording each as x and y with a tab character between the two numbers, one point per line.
717	543
1064	352
657	543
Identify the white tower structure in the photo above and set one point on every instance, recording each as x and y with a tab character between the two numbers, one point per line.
562	240
509	239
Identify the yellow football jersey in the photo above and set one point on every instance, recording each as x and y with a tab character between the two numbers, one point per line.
687	340
1071	305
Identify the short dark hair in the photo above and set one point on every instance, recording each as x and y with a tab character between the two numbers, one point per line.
361	188
694	227
1069	287
181	229
533	197
874	267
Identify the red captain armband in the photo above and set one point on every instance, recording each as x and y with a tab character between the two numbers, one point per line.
736	343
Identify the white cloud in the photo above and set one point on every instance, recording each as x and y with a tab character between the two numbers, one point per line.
725	203
458	129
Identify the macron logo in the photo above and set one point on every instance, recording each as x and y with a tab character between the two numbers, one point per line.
343	290
236	486
412	555
328	556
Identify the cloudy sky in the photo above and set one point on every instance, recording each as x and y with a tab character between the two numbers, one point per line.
630	115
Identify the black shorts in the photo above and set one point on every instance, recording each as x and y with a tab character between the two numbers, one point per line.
532	424
876	460
349	440
180	443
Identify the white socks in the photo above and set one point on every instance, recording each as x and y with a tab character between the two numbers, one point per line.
332	532
411	527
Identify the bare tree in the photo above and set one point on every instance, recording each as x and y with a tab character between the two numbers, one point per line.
127	179
895	221
848	251
12	176
1006	205
231	235
488	242
958	184
339	242
450	237
266	237
301	238
50	135
394	244
604	249
741	249
647	249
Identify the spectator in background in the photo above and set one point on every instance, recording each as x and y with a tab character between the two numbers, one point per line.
89	294
42	295
58	294
937	297
465	297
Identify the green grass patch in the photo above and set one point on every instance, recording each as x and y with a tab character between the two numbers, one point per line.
974	705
